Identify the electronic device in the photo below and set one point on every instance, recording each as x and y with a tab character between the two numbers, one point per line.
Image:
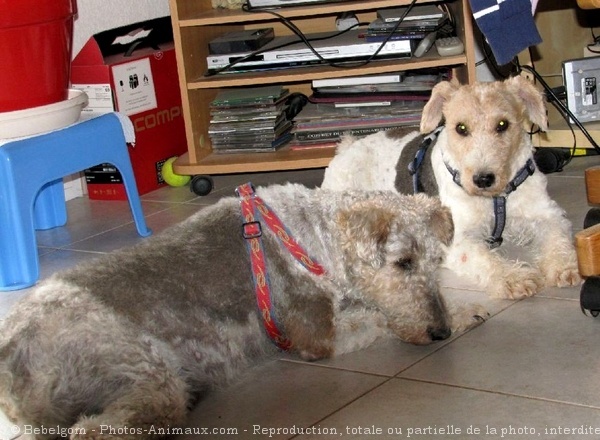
416	13
289	51
449	46
581	77
425	45
240	41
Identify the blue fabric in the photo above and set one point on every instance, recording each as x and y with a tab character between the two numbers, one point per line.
508	26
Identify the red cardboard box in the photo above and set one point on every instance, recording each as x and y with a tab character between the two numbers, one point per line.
132	70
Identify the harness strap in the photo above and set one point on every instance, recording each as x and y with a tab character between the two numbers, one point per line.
499	222
415	165
500	203
455	174
527	170
522	175
253	210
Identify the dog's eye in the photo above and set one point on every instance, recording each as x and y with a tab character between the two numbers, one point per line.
405	263
462	129
502	126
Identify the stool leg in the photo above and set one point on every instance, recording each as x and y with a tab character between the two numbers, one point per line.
136	207
119	157
19	265
123	164
50	210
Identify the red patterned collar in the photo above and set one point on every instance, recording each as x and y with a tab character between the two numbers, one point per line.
254	209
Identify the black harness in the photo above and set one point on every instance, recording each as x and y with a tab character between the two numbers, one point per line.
527	170
415	166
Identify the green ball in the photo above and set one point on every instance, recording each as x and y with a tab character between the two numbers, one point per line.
169	175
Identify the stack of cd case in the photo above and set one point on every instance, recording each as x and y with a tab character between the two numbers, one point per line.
249	120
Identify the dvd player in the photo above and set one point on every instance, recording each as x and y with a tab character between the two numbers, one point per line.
290	51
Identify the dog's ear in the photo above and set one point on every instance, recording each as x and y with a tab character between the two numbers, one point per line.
432	112
441	224
533	99
365	228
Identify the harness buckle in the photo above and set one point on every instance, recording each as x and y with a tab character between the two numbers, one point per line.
494	242
251	230
245	190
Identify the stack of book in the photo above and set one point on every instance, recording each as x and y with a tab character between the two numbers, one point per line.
376	90
362	105
249	120
323	125
420	21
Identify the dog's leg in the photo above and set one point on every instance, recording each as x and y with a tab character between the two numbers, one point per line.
153	403
466	316
555	254
358	327
500	277
309	325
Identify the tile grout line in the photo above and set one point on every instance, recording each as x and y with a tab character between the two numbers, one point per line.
501	393
325	417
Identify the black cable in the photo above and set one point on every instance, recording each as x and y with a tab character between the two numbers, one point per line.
595	40
561	107
302	38
306	41
551	97
489	58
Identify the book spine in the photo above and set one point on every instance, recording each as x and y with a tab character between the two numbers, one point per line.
329	134
356	81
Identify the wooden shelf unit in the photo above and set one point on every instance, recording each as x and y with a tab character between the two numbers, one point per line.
195	23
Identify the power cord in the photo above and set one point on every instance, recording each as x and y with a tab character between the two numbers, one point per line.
595	40
302	38
562	108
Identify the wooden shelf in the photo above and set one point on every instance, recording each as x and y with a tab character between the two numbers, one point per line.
196	22
284	159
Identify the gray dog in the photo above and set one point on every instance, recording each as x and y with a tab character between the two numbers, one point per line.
127	343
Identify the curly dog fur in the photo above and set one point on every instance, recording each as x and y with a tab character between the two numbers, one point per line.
130	341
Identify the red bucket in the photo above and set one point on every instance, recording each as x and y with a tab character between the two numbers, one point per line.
36	40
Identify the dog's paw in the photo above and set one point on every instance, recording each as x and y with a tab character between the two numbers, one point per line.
563	277
518	282
468	316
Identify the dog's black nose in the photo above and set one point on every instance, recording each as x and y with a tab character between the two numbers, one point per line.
484	180
439	334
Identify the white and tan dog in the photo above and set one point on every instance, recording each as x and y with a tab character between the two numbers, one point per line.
481	165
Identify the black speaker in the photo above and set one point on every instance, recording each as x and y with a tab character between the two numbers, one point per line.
551	160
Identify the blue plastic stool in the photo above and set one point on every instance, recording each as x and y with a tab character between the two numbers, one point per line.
32	193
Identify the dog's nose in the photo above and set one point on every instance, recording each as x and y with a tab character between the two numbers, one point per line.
439	334
484	180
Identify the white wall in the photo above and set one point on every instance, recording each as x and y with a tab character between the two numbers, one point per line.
100	15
